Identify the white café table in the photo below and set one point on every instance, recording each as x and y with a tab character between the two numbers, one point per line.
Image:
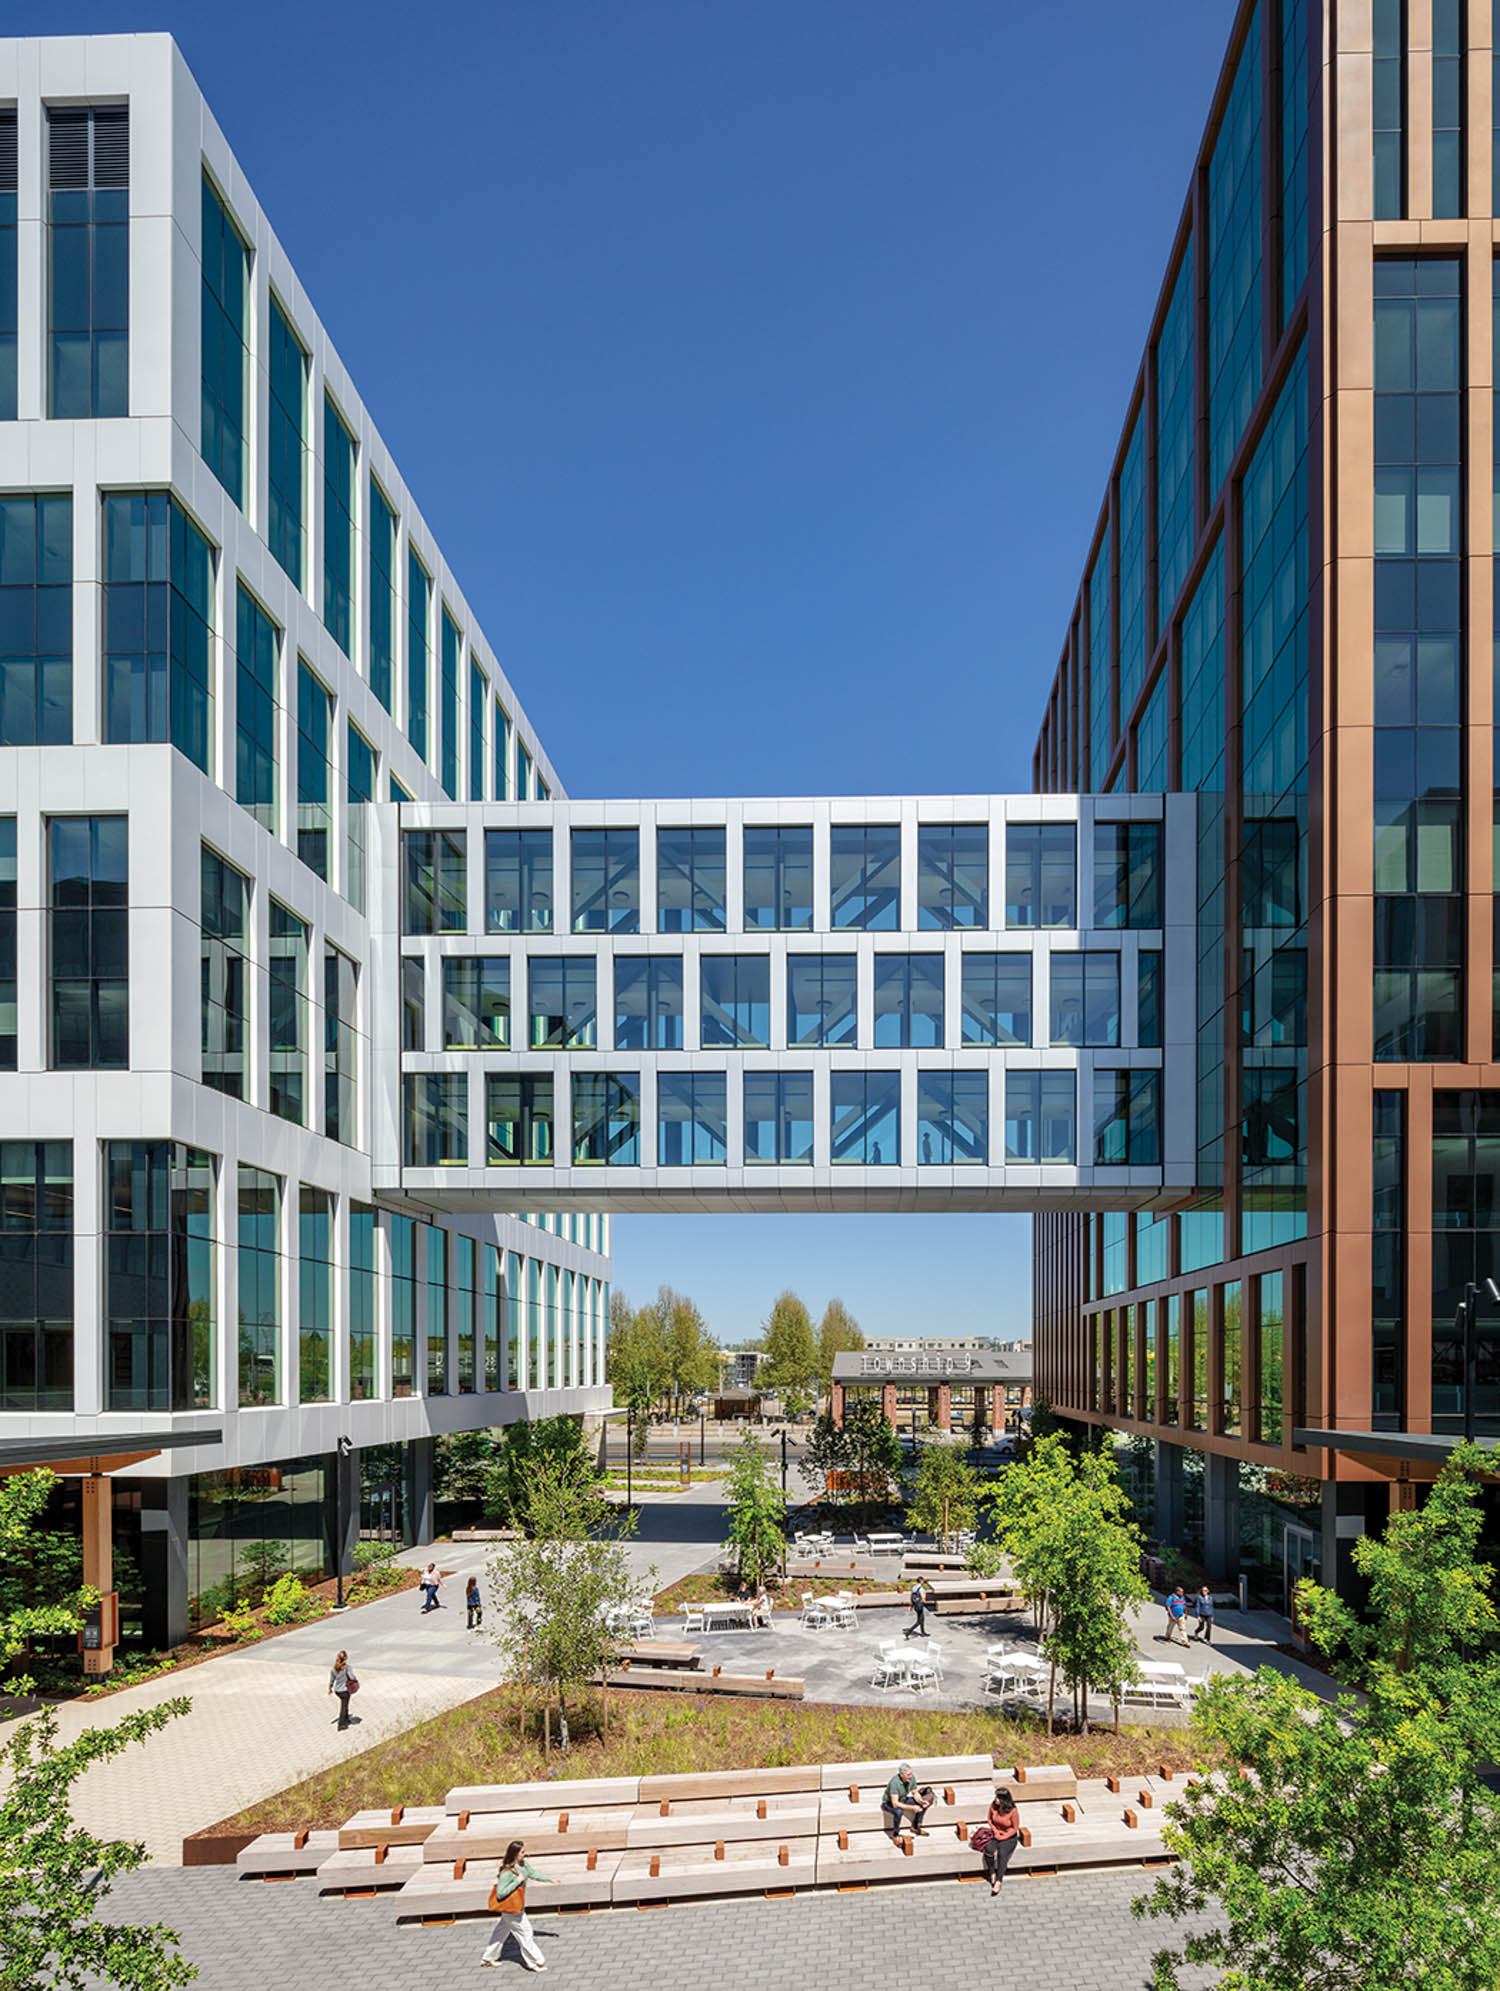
726	1616
886	1544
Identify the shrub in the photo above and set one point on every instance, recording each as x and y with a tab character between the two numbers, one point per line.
239	1622
288	1602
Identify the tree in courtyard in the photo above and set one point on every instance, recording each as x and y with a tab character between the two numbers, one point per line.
42	1593
791	1352
692	1354
757	1511
838	1334
858	1461
942	1496
550	1595
1351	1844
526	1446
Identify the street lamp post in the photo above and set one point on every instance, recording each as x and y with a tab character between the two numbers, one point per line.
703	1433
345	1447
629	1453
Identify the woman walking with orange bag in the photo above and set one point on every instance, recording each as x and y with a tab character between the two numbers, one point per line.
510	1899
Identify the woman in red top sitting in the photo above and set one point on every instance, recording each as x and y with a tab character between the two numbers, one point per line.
1004	1822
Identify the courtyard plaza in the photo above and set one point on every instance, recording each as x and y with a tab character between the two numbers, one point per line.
261	1718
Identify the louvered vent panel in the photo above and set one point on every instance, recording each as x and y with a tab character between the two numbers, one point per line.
67	150
112	147
7	152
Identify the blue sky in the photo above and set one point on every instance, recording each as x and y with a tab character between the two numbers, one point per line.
758	368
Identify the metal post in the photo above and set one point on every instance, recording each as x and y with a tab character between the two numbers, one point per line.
629	1454
783	1462
1469	1308
702	1434
345	1447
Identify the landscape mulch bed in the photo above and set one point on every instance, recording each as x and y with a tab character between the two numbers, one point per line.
481	1742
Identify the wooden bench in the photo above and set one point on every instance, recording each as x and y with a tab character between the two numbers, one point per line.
659	1652
286	1853
359	1869
677	1679
694	1784
1043	1782
405	1825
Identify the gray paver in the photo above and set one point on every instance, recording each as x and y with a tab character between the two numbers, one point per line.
1076	1931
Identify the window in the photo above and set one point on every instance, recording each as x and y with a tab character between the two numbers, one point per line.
89	935
1132	512
285	474
1234	228
413	1003
1100	714
437	1311
1387	1263
607	1118
1174	443
362	774
288	1014
736	995
338	528
224	324
821	999
88	263
418	605
314	1295
648	1002
995	999
1266	1424
8	1045
1127	874
866	1118
1039	1117
403	1305
909	1002
479	698
314	811
8	269
690	881
225	974
692	1118
452	655
1172	1364
435	881
36	622
518	881
953	861
494	1375
382	595
1127	1119
606	881
519	1110
1230	1365
437	1119
953	1117
778	878
466	1297
1447	108
515	1320
523	773
1085	999
563	1003
363	1319
476	1002
258	709
158	627
865	876
340	1047
1040	875
1148	998
1389	108
502	753
1294	164
258	1257
36	1275
778	1117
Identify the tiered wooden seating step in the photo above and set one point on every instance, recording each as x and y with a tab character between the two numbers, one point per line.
769	1685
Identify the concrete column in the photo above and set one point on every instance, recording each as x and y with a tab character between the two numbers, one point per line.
164	1561
836	1406
1221	1516
343	1514
419	1515
1169	1502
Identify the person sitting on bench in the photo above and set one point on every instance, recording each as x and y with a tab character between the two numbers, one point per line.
906	1802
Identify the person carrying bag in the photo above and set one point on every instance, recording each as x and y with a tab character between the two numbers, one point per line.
509	1900
996	1840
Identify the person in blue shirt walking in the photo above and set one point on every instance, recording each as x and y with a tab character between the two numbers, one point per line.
1177	1617
1203	1610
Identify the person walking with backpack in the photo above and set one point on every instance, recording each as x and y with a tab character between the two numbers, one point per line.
920	1598
341	1681
510	1899
474	1604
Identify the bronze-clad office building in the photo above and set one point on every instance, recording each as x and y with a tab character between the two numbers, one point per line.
1286	607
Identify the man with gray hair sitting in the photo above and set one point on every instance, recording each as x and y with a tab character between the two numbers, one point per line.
906	1802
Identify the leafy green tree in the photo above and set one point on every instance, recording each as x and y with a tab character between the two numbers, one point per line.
1352	1844
55	1875
462	1462
550	1595
526	1447
691	1353
635	1358
838	1334
42	1593
790	1349
943	1492
757	1511
1023	1502
865	1451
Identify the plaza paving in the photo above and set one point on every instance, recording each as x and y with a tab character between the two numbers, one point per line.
1074	1933
261	1718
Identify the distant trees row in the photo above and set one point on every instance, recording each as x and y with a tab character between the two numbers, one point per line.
662	1353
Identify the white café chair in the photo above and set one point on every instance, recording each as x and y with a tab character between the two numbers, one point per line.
692	1618
891	1664
813	1613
